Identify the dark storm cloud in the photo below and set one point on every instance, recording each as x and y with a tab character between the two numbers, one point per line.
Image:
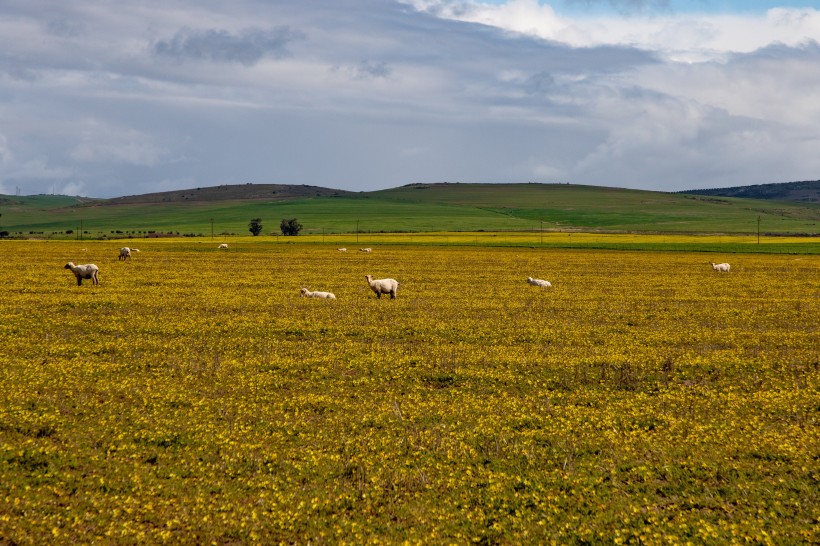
245	47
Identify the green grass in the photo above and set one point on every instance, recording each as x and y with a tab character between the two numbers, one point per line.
421	208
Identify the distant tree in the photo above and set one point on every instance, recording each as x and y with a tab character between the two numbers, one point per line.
290	227
255	226
4	233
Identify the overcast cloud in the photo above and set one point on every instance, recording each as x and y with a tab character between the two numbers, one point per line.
106	99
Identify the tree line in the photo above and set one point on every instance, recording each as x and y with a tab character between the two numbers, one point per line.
287	226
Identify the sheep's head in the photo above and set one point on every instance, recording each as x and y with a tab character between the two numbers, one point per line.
304	291
69	265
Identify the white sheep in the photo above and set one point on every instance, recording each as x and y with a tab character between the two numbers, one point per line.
724	267
135	250
539	282
383	286
365	250
342	249
125	253
223	245
85	271
324	295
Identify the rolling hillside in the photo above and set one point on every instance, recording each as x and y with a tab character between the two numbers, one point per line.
805	192
411	208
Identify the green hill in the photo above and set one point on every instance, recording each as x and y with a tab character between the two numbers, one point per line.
411	208
806	191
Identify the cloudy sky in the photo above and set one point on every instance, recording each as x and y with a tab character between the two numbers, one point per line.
102	98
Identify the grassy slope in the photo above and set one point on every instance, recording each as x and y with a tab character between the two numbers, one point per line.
438	207
618	209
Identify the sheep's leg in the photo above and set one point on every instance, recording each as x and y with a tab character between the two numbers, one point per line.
79	280
392	294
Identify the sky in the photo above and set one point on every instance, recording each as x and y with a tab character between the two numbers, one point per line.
104	99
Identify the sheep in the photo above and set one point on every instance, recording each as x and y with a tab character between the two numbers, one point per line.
342	249
86	271
383	286
539	282
125	253
223	245
365	250
135	250
323	295
724	267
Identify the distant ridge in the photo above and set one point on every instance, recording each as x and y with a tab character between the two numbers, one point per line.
231	192
804	192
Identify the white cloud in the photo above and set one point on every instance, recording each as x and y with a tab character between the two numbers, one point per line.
687	37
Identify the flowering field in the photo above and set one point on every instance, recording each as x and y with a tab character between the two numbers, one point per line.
194	397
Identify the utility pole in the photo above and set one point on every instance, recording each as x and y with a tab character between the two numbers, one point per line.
357	232
542	231
212	229
758	229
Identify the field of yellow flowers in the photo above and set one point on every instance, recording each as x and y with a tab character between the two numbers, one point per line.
194	397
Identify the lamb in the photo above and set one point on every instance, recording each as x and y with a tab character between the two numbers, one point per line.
383	286
539	282
366	250
724	267
342	249
125	253
86	271
223	245
324	295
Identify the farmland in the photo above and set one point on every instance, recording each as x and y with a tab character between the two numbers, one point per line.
194	397
413	208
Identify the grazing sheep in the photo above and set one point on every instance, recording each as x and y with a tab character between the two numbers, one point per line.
86	271
135	250
342	249
383	286
365	250
539	282
125	253
323	295
223	245
724	267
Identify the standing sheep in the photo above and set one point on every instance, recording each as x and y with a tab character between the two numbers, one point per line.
323	295
724	267
342	249
223	245
125	253
383	286
365	250
539	282
85	271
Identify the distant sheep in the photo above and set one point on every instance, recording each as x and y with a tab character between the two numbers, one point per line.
223	245
135	250
324	295
125	253
724	267
342	249
85	271
365	250
383	286
539	282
